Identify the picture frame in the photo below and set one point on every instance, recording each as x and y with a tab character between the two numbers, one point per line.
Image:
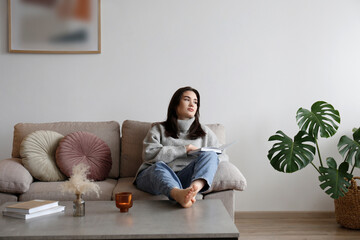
53	26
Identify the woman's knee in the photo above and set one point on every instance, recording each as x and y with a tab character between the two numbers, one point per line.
210	155
151	171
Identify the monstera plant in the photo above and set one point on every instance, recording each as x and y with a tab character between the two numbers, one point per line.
290	155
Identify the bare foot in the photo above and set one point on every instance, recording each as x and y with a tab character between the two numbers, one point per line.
185	197
197	185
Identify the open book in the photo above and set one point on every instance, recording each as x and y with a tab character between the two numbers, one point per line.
218	150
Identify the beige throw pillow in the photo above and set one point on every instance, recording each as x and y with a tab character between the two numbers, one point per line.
14	178
37	151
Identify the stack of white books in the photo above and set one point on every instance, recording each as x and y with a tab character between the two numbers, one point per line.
32	209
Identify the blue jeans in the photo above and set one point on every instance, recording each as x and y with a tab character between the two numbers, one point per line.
159	178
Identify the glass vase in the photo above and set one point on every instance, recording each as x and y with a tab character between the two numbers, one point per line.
79	206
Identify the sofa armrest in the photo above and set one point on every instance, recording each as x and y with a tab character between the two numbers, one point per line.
14	177
227	177
228	199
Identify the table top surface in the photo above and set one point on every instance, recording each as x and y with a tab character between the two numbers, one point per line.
145	220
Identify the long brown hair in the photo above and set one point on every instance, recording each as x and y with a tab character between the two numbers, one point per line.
171	126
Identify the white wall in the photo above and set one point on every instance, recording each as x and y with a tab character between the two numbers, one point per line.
254	62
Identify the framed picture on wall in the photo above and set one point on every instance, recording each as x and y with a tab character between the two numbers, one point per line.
54	26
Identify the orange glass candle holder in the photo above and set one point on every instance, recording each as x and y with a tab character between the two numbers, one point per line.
123	201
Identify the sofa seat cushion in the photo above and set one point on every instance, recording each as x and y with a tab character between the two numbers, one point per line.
87	148
126	185
37	151
14	177
51	191
6	197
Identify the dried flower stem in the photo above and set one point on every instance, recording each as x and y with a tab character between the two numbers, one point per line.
78	182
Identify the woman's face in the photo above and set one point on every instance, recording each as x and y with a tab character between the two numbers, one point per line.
187	106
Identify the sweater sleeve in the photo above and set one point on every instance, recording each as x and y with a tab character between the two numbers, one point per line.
154	151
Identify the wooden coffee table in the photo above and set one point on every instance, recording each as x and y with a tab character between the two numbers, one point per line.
206	219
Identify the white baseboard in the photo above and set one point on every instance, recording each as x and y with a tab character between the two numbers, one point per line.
283	214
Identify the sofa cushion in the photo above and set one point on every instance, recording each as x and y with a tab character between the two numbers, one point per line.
52	191
133	134
14	177
109	132
38	155
227	177
7	197
219	131
87	148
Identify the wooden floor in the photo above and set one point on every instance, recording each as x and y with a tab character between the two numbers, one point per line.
291	226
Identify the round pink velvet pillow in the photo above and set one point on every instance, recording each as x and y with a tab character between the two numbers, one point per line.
87	148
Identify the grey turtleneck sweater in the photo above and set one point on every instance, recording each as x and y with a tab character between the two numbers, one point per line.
158	147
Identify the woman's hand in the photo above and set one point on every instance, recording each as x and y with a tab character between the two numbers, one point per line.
190	148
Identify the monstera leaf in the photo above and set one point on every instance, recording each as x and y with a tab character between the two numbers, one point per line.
322	117
335	181
290	156
350	148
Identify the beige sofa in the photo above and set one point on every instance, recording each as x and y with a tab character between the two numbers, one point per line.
17	184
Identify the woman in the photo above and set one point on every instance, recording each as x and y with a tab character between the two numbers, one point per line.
168	168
